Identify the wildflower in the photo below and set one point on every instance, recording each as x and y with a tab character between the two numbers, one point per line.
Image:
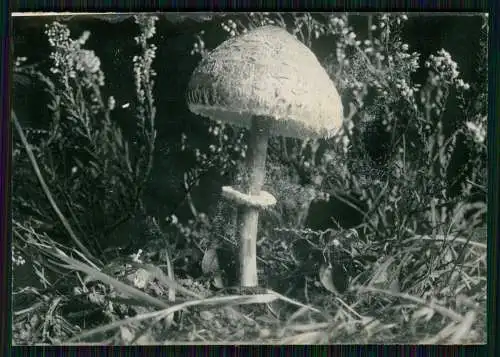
445	69
17	259
462	85
87	61
84	37
148	28
19	61
478	132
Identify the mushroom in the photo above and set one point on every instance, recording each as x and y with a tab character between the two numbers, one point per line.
272	84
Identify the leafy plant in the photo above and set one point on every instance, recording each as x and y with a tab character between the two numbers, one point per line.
95	174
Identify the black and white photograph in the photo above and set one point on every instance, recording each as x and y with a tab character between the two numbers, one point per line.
236	178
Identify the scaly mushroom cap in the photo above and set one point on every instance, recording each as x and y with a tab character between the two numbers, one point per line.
267	72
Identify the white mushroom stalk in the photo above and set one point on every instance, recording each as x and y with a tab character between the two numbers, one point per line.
272	84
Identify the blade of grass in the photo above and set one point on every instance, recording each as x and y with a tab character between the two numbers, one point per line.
293	302
448	239
442	335
118	285
161	314
464	328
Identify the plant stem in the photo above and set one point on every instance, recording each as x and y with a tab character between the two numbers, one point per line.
249	216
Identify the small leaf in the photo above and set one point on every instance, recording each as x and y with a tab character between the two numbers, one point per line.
425	312
210	262
326	278
218	281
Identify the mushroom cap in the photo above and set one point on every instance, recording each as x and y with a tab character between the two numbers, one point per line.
267	72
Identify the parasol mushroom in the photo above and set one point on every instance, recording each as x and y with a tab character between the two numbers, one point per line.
272	84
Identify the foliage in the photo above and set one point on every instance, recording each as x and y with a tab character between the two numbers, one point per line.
95	175
412	268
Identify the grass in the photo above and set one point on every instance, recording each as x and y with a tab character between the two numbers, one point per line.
365	313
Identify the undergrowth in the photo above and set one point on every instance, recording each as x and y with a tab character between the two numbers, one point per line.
411	270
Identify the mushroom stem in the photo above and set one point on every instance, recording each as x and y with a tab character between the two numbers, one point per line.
249	216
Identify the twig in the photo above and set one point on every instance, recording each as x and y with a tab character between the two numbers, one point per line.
442	335
450	239
440	309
